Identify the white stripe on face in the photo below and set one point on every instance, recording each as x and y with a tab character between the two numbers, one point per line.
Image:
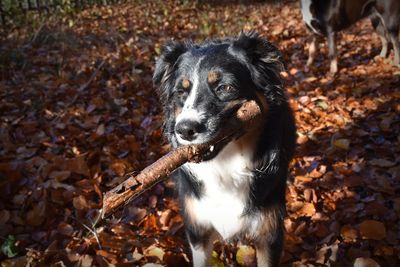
189	111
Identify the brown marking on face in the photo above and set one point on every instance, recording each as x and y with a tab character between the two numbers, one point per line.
185	83
212	77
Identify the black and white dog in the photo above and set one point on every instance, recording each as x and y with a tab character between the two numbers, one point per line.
326	17
238	192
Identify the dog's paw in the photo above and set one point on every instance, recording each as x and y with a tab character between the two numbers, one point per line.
333	67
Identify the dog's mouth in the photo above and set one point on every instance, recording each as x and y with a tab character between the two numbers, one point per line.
216	147
213	151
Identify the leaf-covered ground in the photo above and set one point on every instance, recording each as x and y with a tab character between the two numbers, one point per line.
77	110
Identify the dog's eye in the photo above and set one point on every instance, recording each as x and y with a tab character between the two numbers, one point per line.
225	88
185	84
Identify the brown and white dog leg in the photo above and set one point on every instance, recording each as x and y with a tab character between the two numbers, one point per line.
312	50
396	46
380	29
332	52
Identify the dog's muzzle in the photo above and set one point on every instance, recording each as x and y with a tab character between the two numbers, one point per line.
189	130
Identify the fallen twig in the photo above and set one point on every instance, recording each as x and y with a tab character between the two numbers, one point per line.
86	85
247	115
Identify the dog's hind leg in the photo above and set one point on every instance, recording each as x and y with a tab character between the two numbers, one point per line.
312	50
332	51
379	27
201	244
394	37
390	19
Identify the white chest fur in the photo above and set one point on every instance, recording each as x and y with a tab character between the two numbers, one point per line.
226	180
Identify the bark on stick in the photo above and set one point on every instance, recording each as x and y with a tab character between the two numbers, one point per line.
247	115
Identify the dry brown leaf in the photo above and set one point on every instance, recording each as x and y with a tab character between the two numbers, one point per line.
342	143
154	251
119	167
65	229
382	163
371	229
59	175
77	165
80	203
100	129
365	262
307	210
303	178
348	233
37	214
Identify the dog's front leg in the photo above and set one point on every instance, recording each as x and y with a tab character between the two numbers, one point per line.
201	244
269	249
393	33
332	51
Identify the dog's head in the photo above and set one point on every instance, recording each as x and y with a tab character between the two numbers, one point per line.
201	86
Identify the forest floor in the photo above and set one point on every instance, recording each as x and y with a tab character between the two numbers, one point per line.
78	111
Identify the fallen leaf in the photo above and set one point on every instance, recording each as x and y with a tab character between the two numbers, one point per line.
382	163
80	203
100	129
59	175
154	251
37	214
371	229
303	178
307	210
65	229
348	233
246	256
342	143
365	262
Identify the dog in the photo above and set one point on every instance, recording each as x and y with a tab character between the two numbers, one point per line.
238	191
326	18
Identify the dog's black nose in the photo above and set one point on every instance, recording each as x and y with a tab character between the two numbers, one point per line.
188	129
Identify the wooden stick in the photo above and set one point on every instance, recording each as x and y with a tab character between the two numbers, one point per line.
247	115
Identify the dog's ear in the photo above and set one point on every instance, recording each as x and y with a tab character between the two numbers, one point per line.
168	57
257	48
261	53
